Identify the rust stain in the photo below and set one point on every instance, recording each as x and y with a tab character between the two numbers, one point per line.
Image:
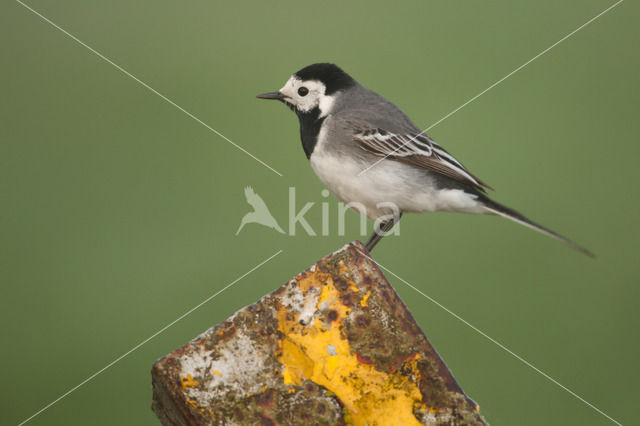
363	360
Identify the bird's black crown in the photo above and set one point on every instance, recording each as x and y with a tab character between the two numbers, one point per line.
330	74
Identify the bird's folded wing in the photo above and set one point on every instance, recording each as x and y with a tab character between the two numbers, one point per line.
416	149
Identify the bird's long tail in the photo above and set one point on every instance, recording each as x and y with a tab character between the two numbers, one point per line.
509	213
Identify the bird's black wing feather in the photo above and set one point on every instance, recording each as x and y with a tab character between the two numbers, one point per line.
416	149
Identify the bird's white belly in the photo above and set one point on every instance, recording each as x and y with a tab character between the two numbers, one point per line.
401	185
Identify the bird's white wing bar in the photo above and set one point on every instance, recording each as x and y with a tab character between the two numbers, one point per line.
416	149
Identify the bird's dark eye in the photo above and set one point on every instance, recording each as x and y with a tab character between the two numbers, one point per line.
303	91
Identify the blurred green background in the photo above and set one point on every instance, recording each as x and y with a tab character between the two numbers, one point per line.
119	212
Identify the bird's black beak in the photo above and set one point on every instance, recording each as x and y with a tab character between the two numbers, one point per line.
271	95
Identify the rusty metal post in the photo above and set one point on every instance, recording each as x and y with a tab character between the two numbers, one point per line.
335	345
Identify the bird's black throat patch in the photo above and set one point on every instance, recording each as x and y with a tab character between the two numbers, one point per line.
310	123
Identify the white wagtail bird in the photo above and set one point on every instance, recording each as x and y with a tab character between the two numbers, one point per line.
371	156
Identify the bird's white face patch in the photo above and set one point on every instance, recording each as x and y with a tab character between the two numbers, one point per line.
307	95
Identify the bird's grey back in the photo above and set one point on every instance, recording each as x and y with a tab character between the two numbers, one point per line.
359	108
360	104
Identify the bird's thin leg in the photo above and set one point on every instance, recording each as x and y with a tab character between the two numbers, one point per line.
384	230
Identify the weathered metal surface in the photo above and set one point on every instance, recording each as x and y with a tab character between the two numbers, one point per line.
335	345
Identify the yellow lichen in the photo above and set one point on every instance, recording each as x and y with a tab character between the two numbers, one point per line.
420	406
188	381
369	396
363	302
217	373
297	364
